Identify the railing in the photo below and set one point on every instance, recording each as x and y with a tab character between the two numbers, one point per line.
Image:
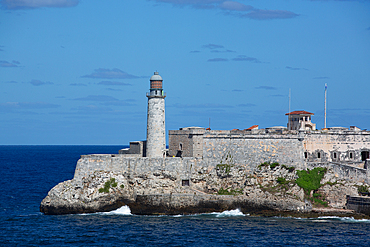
148	94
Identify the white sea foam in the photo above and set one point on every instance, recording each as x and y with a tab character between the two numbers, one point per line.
345	219
228	213
124	210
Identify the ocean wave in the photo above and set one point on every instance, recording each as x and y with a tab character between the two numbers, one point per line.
124	210
344	219
229	213
323	219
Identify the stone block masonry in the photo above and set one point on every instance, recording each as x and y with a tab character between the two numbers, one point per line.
254	149
156	131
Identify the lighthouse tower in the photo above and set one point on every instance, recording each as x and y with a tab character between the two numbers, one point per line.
156	131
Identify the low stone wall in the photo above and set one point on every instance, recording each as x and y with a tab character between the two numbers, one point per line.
359	204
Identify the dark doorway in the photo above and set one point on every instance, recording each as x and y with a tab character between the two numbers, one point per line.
364	155
185	183
179	153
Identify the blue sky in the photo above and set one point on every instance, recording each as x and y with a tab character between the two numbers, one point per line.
77	71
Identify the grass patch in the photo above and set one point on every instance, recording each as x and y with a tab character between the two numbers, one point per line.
331	183
273	165
226	168
226	191
281	180
263	164
362	188
290	169
109	184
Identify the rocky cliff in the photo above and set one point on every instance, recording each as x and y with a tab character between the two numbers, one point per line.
207	187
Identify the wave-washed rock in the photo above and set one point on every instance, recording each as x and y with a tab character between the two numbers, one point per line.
159	192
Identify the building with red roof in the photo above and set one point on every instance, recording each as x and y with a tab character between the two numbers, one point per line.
300	119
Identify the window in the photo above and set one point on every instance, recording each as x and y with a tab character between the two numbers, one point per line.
351	155
336	155
185	183
306	155
364	155
318	155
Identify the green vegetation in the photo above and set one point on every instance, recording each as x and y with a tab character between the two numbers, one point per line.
281	180
226	168
331	183
122	186
263	164
226	191
226	163
109	184
273	165
268	164
317	199
290	169
362	188
310	180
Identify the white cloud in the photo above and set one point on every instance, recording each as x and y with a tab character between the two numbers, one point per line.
114	83
245	58
33	4
110	74
39	83
97	98
217	60
11	106
265	14
235	6
7	64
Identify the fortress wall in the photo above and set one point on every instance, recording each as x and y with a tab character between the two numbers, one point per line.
343	171
191	140
343	143
176	168
255	149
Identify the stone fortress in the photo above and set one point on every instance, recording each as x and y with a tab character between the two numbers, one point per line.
300	144
199	163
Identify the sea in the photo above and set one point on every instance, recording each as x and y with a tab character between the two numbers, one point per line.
29	172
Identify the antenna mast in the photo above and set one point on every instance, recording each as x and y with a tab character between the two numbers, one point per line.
289	112
326	88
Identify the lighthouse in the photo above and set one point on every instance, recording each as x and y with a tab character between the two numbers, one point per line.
156	131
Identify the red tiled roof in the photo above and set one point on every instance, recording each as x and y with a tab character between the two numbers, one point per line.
253	127
299	113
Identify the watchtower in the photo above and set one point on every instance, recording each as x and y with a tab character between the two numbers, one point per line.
298	119
156	131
